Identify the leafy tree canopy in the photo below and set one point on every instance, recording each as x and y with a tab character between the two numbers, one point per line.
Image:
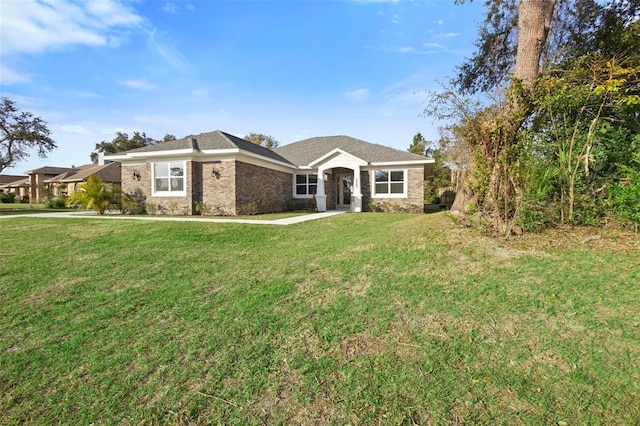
91	195
268	142
20	131
122	142
418	145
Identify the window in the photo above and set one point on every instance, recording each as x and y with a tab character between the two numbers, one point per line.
168	178
306	184
390	183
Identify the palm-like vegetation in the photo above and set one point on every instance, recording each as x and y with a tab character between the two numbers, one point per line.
91	195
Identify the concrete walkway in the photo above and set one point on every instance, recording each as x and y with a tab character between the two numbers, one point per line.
91	215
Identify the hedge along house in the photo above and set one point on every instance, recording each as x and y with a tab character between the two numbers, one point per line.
229	174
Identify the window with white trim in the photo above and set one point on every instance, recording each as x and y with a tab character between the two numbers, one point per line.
390	183
306	185
168	178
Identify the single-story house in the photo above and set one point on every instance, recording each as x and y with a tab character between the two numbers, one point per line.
230	175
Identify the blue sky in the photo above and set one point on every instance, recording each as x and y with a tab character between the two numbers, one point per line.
289	69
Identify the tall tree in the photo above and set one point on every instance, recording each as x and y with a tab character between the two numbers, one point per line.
20	132
534	19
268	142
418	145
122	142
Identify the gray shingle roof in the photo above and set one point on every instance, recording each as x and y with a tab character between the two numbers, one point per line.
109	172
211	141
306	151
49	170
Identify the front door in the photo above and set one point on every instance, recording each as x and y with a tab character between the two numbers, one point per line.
345	186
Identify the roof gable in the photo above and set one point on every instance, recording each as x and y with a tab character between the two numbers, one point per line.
308	151
204	142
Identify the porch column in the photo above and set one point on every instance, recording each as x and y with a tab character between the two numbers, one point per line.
321	196
357	192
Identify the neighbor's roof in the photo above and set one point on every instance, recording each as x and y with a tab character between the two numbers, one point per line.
109	172
49	170
306	151
209	141
16	183
10	178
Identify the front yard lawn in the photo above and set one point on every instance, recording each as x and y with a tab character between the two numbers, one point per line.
358	318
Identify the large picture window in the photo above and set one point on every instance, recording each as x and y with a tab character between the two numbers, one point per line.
168	178
390	183
306	185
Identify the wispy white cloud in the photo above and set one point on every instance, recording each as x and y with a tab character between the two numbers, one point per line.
30	26
190	6
434	45
439	22
412	50
9	76
357	95
168	50
446	35
171	7
395	19
137	84
113	130
85	95
75	129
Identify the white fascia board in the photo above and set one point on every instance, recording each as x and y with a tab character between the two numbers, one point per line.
260	161
170	153
220	151
337	151
403	163
155	154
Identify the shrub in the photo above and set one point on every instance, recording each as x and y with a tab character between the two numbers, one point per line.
203	208
625	195
57	203
150	207
534	216
173	207
129	205
7	197
292	204
250	209
91	195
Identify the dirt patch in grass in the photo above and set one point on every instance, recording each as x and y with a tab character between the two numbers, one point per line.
51	292
361	344
608	239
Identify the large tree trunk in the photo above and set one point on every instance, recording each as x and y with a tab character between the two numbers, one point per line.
534	21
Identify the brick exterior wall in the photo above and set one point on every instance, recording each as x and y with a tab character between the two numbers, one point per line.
415	194
218	187
270	189
140	190
223	187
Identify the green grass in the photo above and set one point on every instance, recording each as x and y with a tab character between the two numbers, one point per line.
360	318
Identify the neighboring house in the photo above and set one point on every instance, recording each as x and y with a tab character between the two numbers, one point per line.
66	183
15	184
228	173
48	182
36	182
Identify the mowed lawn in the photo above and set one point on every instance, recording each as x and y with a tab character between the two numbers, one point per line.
359	318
